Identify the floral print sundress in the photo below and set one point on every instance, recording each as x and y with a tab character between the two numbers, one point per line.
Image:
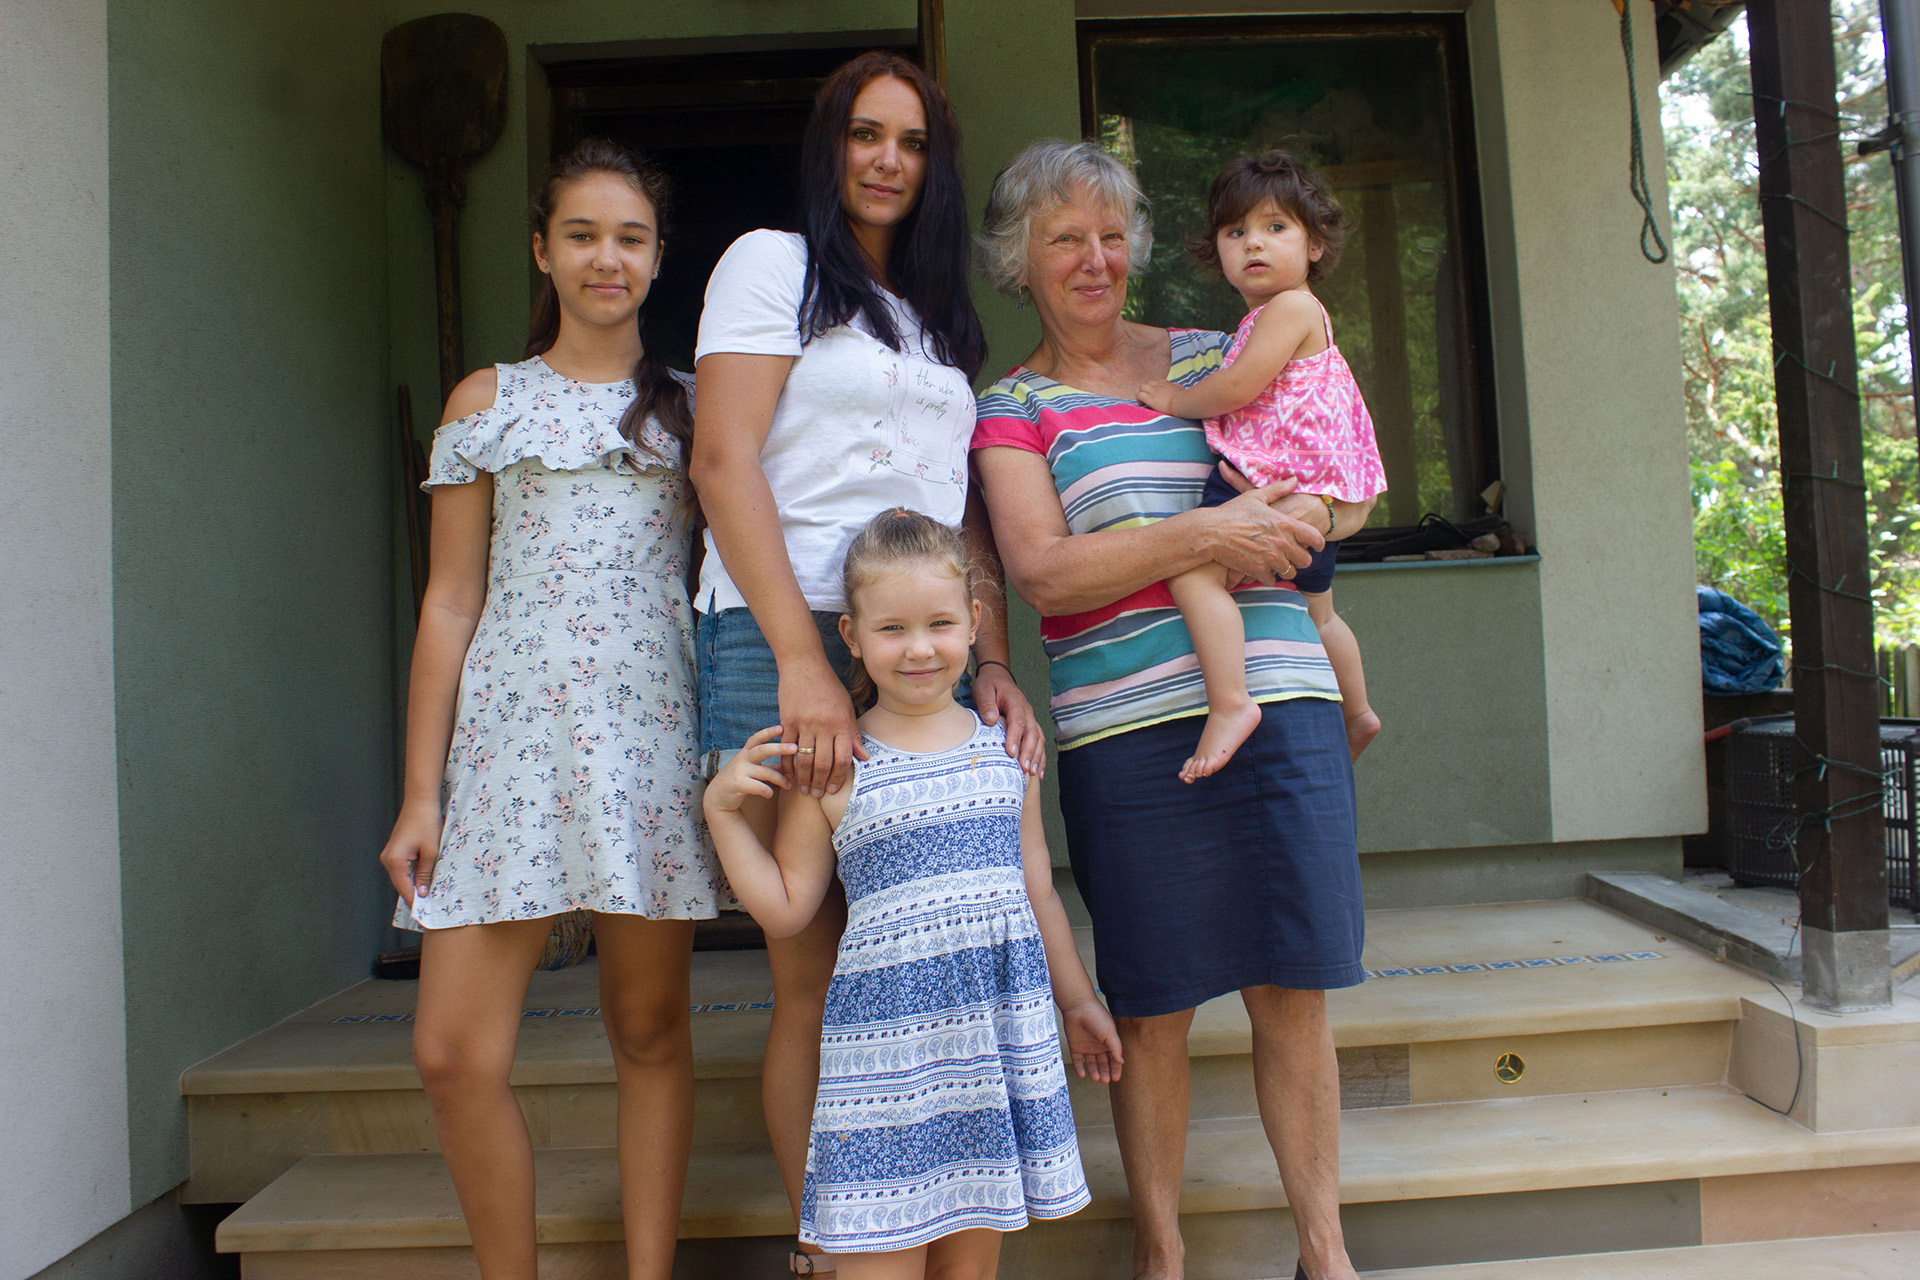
571	780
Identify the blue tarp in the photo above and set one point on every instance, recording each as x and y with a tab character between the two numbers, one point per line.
1738	651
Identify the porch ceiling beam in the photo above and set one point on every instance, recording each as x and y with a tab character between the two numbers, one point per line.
1839	843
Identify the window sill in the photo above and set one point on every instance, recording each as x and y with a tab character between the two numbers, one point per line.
1491	562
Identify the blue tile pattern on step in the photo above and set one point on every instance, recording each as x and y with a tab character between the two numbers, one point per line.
1538	962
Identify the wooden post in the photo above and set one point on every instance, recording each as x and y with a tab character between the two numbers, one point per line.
1839	842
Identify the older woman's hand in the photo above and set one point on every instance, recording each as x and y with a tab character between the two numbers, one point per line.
1255	541
998	700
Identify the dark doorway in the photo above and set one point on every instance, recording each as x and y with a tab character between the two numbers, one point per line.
725	126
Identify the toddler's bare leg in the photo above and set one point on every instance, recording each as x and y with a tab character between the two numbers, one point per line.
1220	643
1343	651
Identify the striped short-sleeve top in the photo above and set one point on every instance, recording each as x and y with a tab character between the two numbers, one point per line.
1117	464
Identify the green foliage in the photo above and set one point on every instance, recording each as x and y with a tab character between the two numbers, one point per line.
1726	342
1738	542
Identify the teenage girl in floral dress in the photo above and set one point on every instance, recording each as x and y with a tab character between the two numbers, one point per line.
551	744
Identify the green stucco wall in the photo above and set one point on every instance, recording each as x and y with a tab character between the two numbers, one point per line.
1454	667
252	536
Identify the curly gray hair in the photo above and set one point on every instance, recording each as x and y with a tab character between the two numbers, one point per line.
1047	174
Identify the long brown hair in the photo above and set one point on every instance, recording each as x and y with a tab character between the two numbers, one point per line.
655	390
891	539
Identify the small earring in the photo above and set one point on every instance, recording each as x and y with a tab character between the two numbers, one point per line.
1020	299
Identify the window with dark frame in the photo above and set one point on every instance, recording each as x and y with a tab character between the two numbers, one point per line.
1379	106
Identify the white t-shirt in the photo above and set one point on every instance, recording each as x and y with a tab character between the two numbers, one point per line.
857	429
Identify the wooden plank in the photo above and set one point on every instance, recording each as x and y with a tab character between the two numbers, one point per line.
1839	842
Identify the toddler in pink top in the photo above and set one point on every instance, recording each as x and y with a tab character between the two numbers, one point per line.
1282	405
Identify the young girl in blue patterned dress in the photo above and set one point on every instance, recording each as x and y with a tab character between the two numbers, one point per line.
551	750
942	1118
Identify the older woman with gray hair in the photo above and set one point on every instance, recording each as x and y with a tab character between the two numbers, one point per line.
1246	880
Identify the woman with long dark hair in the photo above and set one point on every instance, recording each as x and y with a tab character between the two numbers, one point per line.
551	755
834	381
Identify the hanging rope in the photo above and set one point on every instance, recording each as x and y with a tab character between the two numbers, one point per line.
1637	160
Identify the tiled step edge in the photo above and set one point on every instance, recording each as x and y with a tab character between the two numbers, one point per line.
1398	1153
1894	1255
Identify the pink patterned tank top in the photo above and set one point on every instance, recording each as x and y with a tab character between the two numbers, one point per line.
1309	423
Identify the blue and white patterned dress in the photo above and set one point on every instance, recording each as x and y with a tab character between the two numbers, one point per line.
943	1102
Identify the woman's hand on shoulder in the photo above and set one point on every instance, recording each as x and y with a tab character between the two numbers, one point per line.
1092	1040
816	715
412	849
477	391
997	699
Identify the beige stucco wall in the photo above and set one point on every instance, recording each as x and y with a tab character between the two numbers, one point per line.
1591	420
63	1086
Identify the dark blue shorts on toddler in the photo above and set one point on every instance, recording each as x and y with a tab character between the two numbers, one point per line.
1316	577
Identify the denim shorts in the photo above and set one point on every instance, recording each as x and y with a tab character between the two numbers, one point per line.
739	683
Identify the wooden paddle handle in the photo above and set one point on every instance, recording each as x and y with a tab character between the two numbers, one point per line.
446	192
413	471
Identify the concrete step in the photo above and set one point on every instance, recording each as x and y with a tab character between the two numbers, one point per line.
1893	1255
1513	1177
1755	927
1457	988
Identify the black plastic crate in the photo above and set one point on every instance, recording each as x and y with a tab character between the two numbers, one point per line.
1762	760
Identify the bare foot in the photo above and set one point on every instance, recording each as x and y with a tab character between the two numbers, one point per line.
1362	727
1224	733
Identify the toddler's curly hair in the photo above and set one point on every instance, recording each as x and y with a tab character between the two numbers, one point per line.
1291	183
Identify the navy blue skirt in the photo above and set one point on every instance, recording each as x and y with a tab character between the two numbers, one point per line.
1248	878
